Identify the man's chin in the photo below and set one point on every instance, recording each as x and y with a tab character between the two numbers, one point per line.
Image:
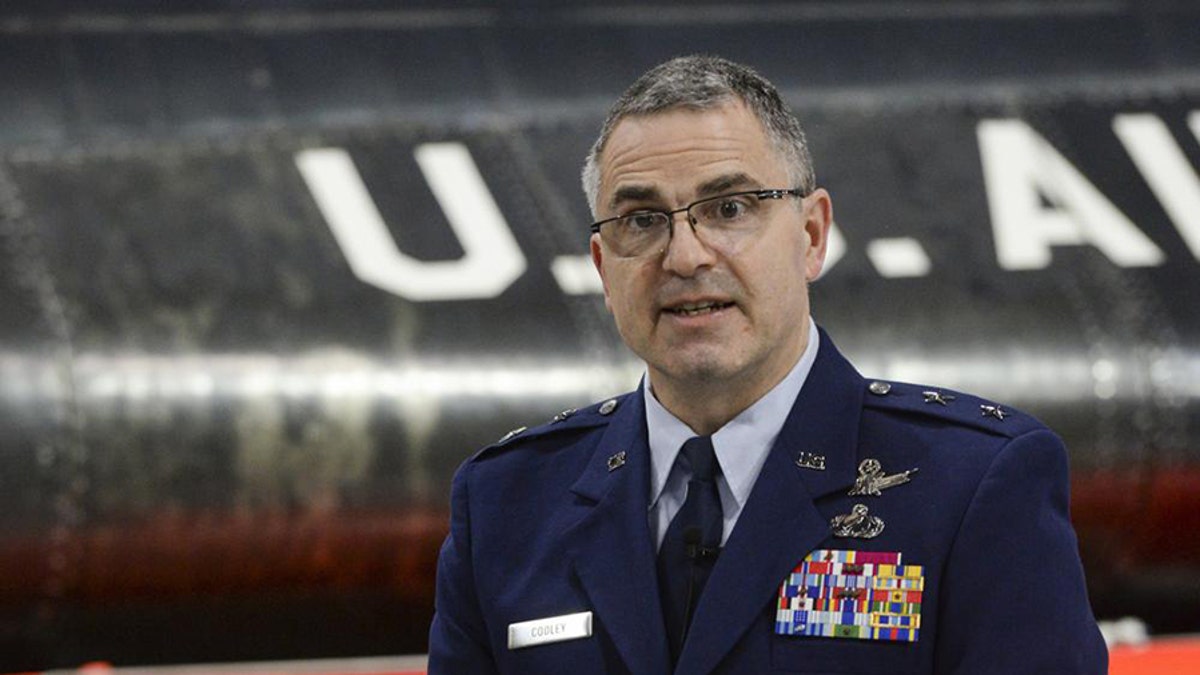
701	369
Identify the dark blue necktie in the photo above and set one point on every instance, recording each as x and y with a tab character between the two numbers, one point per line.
693	539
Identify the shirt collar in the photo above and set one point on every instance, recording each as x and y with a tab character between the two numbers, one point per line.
743	443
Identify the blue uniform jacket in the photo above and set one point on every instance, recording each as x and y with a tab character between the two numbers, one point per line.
544	524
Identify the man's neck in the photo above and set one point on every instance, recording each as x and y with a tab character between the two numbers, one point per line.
706	404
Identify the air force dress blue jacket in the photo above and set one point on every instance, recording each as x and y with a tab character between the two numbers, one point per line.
975	570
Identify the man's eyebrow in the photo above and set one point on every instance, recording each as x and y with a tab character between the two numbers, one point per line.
634	193
725	183
709	188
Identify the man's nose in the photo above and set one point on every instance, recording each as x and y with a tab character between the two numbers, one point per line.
686	252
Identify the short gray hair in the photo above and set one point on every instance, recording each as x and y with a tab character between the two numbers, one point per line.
703	83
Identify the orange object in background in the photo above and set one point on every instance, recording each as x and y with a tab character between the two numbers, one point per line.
1163	656
1160	656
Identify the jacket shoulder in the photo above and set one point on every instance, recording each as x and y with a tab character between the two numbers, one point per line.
567	422
948	407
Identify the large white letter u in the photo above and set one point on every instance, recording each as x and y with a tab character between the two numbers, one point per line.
492	260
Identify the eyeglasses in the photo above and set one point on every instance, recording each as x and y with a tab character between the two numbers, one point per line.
719	222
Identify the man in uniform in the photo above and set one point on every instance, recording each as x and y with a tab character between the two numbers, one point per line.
756	505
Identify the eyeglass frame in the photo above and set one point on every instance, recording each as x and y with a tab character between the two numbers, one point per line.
771	193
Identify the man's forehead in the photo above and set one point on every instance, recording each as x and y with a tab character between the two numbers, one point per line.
702	151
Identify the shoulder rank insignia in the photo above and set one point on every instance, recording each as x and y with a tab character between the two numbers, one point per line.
864	595
937	397
994	411
511	435
871	479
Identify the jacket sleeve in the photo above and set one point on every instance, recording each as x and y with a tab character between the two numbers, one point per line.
458	640
1014	599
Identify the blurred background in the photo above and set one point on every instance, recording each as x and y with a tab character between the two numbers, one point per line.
270	270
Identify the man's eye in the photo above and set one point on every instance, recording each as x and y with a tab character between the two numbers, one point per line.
727	209
641	221
732	208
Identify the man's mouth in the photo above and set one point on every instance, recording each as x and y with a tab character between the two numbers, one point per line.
698	308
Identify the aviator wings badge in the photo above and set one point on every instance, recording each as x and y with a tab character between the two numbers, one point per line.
871	479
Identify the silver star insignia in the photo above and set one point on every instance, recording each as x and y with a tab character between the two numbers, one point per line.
510	435
994	411
937	397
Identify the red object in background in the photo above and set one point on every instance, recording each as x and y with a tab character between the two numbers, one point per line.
1163	656
179	555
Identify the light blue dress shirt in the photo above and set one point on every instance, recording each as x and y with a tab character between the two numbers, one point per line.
741	446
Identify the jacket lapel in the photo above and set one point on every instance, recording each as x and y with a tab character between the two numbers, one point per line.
611	546
780	523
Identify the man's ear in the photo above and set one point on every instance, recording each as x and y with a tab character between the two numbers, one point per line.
818	217
598	261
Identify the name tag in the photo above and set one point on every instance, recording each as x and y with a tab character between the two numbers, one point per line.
550	629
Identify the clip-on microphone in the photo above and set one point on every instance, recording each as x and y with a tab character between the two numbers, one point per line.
697	553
